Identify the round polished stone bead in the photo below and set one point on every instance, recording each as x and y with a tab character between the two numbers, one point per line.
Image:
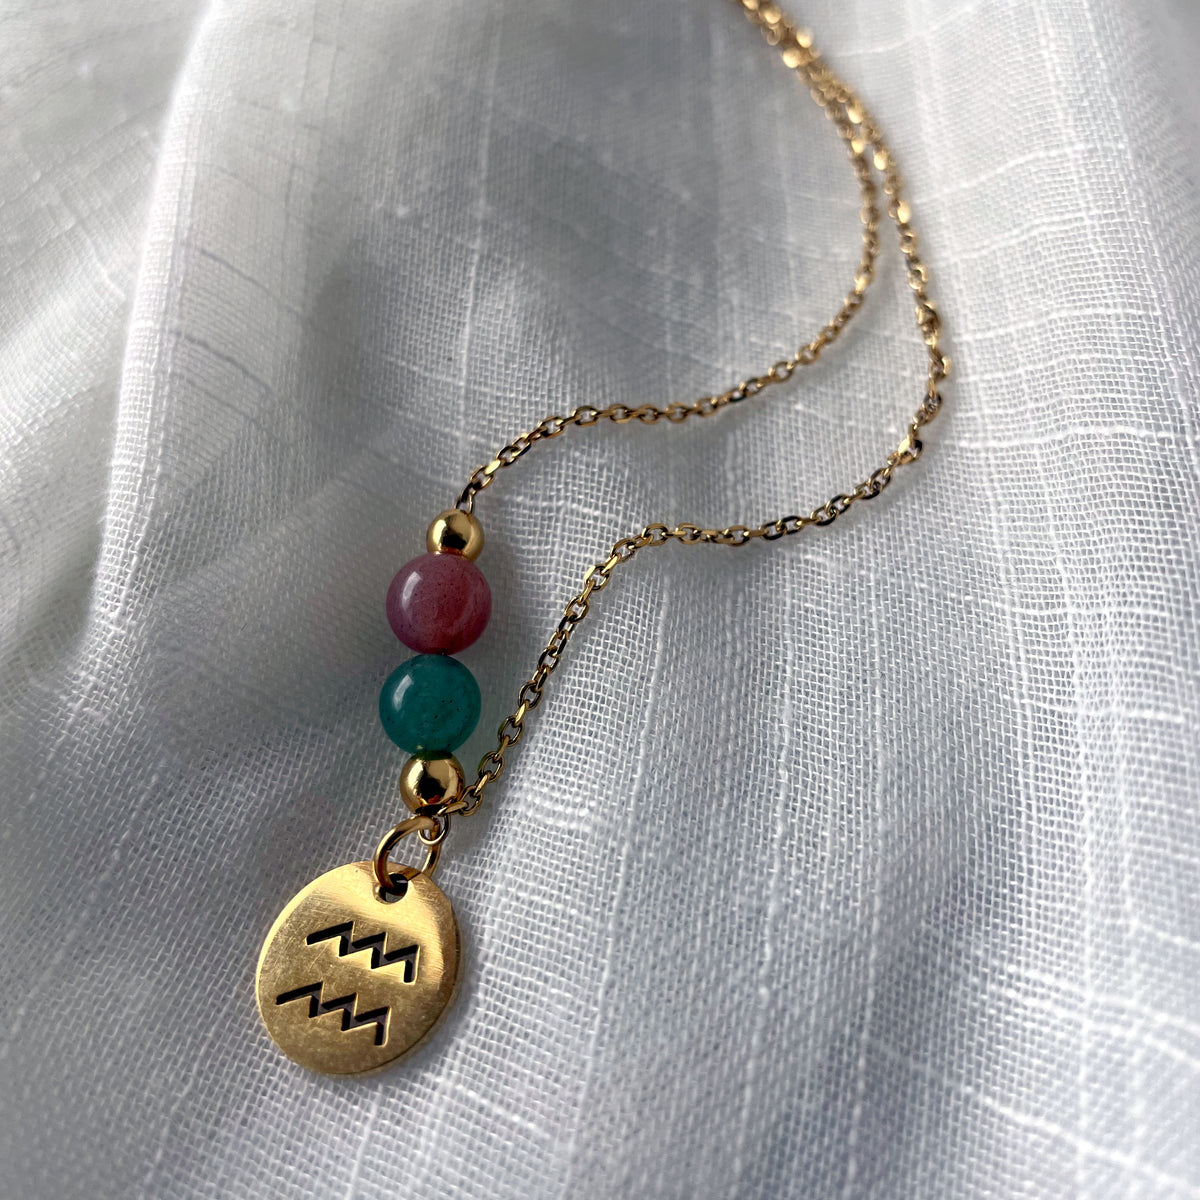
429	705
439	603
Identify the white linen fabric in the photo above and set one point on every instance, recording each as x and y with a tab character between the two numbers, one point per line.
864	864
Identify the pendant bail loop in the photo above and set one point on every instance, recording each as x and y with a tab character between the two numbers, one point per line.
431	830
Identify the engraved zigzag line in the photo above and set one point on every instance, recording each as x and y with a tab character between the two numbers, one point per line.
350	1020
374	942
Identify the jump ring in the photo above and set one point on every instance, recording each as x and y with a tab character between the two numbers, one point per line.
433	850
435	839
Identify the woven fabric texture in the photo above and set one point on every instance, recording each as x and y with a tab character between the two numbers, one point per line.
863	864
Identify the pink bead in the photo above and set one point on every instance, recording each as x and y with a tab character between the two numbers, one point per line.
439	603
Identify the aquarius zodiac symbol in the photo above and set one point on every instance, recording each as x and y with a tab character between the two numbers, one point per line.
380	957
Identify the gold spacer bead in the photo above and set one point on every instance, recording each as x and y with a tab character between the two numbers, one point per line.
431	781
455	532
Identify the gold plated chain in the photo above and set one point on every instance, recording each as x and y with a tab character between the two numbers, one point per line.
869	154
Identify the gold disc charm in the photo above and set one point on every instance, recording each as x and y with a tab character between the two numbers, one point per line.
348	982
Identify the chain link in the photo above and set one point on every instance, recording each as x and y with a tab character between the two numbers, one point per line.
869	154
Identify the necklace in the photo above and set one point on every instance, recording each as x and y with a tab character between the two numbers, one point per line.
361	964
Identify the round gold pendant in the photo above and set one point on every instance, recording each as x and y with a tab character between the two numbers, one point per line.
348	982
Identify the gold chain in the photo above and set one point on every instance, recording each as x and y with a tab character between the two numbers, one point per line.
868	153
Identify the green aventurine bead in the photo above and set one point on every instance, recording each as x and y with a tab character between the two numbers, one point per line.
429	705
